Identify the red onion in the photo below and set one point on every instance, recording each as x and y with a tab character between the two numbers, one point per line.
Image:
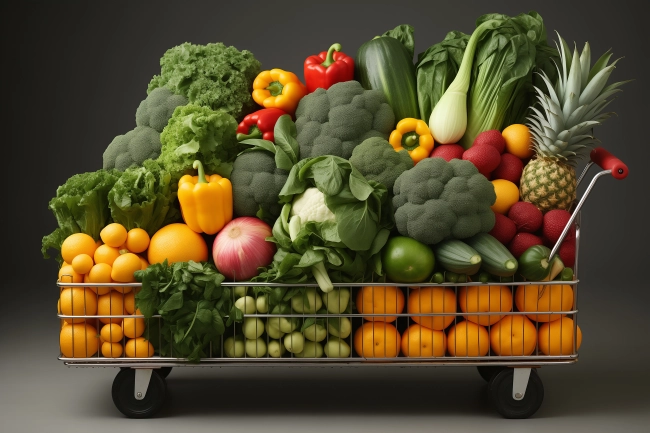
240	248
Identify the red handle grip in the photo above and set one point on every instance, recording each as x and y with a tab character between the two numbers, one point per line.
607	161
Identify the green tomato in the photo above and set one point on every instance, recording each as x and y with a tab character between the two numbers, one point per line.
406	260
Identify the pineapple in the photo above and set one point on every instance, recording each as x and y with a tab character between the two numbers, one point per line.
561	127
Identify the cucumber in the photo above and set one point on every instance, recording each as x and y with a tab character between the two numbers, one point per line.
384	64
497	260
534	263
456	256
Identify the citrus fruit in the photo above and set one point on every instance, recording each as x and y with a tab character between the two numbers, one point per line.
468	339
75	244
138	348
406	260
100	273
112	350
380	300
129	302
124	266
79	340
113	235
144	264
558	337
137	240
82	263
432	300
514	335
68	275
133	327
418	341
484	299
507	195
549	297
111	332
78	301
110	304
518	140
377	340
106	254
177	243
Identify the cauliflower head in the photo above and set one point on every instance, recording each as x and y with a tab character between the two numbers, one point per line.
157	108
377	160
438	200
310	206
336	120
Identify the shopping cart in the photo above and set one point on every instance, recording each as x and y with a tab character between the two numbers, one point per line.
467	336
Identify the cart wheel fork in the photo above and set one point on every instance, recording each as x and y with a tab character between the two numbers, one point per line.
519	382
142	379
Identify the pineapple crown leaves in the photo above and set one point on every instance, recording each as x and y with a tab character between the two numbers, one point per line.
573	106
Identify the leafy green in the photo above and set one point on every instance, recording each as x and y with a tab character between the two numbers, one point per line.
191	303
404	34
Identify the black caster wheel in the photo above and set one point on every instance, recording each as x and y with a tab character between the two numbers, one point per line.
500	395
125	401
487	371
163	371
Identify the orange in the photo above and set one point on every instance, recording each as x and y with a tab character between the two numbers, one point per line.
106	254
137	240
82	263
432	300
380	300
518	140
111	332
468	339
124	266
79	340
549	297
144	264
129	302
112	350
77	243
68	275
100	273
558	337
113	235
133	327
507	195
111	304
78	301
138	348
420	341
514	335
484	299
377	340
177	243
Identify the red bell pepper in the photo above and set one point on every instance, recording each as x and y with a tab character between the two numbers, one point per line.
328	68
259	124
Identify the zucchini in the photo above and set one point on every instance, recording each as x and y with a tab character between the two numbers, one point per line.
384	63
456	256
534	264
497	260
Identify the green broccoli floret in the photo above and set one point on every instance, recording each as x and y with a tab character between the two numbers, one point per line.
196	132
157	108
336	120
438	200
211	75
377	160
132	148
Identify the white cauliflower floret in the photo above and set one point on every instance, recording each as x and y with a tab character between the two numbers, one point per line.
310	206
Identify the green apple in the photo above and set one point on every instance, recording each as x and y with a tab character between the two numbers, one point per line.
312	349
234	347
307	302
315	332
262	304
246	304
339	327
240	291
276	349
337	348
255	348
252	328
337	300
272	328
294	342
284	324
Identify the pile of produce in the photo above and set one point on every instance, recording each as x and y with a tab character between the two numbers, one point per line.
458	167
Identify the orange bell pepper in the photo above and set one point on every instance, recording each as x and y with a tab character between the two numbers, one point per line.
414	136
278	89
206	201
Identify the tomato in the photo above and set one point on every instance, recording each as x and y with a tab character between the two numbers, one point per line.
406	260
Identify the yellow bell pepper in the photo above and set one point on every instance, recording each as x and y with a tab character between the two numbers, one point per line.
278	89
414	136
206	201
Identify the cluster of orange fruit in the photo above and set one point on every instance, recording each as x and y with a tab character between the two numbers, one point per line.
460	333
113	259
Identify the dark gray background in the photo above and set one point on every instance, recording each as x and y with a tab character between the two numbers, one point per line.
73	75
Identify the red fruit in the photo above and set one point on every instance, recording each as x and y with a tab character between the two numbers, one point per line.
447	151
526	216
567	252
510	168
493	138
521	242
504	228
553	224
485	158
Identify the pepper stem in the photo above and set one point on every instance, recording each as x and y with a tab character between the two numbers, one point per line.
410	140
254	132
197	165
275	88
330	55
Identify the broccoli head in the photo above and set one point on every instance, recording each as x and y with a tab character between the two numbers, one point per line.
211	75
336	120
377	160
157	108
438	200
132	148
